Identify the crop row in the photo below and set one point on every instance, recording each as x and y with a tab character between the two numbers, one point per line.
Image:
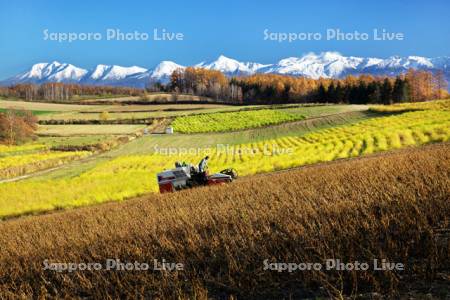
413	106
229	121
17	165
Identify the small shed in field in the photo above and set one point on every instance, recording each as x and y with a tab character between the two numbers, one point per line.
169	130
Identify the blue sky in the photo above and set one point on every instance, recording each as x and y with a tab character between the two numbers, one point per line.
210	28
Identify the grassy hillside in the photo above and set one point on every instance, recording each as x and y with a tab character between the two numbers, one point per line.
390	206
146	145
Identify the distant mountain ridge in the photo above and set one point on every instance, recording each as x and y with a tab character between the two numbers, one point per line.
326	65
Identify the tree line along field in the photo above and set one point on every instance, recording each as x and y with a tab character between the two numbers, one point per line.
391	206
127	176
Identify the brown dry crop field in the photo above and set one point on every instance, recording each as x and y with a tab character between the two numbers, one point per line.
91	129
393	206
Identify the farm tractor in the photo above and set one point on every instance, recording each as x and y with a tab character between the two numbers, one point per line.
186	176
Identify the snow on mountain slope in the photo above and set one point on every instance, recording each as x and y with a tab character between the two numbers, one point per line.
442	62
164	69
50	72
99	72
405	62
113	73
231	66
327	65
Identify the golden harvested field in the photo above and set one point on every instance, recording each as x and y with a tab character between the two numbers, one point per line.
391	206
71	130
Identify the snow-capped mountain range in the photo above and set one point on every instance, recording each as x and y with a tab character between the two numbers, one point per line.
327	65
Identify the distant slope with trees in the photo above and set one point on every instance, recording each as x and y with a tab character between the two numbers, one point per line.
413	86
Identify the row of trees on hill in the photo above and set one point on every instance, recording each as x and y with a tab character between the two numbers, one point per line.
16	126
384	91
203	82
413	86
63	92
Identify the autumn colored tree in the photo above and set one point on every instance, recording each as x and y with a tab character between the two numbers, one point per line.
441	85
17	126
199	81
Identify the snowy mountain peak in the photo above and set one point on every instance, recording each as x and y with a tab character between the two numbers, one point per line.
231	66
164	69
325	64
419	60
118	72
224	58
54	72
331	56
67	72
114	72
98	71
167	64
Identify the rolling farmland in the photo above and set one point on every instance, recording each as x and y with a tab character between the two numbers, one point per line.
361	209
127	176
297	164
